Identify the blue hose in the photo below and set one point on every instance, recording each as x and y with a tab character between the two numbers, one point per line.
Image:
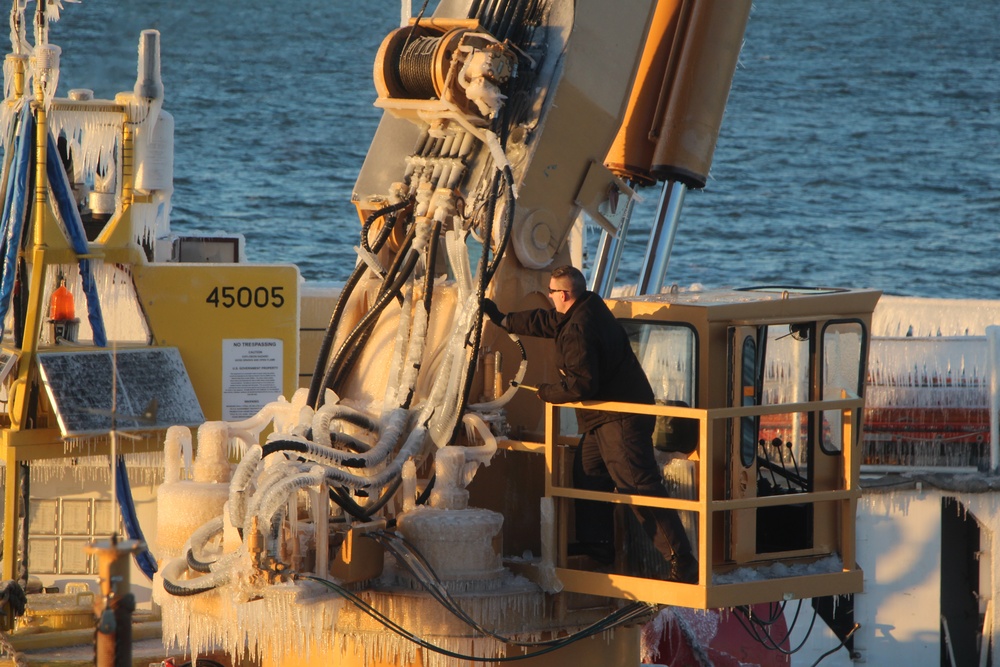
143	559
14	207
59	183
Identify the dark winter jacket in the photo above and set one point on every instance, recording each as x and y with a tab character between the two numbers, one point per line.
593	355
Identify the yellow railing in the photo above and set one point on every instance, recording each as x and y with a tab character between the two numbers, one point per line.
710	508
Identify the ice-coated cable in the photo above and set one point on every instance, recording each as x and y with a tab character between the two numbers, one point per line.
245	471
391	434
349	351
411	448
403	332
449	385
330	413
174	585
418	336
323	356
275	503
203	535
503	399
271	475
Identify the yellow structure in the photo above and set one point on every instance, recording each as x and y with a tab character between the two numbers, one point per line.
63	391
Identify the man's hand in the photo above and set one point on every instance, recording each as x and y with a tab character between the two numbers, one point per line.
491	311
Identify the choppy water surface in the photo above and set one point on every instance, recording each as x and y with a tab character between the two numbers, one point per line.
861	144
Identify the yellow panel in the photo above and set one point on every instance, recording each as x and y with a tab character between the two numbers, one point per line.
195	307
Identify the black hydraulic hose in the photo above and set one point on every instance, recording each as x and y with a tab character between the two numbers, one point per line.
432	250
381	213
512	21
197	565
620	617
302	448
410	558
341	496
487	270
473	10
508	224
323	356
527	19
180	591
359	271
472	344
358	335
344	363
487	15
426	493
397	261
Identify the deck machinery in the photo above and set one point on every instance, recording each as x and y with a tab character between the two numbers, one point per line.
507	122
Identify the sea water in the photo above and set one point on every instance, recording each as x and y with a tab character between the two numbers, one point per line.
860	146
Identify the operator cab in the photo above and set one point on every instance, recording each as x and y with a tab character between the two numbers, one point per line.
759	403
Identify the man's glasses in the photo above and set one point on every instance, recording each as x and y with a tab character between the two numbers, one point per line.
552	290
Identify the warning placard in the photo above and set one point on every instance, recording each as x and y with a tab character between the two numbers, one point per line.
251	375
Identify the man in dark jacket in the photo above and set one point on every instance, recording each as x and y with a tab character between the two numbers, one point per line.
595	362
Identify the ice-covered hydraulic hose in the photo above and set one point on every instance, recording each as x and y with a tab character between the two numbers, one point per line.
276	502
332	412
240	481
323	357
411	447
349	351
503	399
418	334
502	182
391	434
203	535
174	585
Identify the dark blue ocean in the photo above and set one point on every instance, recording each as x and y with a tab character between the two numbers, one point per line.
860	147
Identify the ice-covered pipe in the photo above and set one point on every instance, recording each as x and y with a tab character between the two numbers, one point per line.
458	258
410	368
320	499
273	493
412	329
281	412
272	474
178	441
409	474
481	455
447	392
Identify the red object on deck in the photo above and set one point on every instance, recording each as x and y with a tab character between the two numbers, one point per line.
688	637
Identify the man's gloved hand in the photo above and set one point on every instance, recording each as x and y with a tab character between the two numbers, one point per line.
491	311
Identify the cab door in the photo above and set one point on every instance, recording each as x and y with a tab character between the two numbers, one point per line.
746	352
